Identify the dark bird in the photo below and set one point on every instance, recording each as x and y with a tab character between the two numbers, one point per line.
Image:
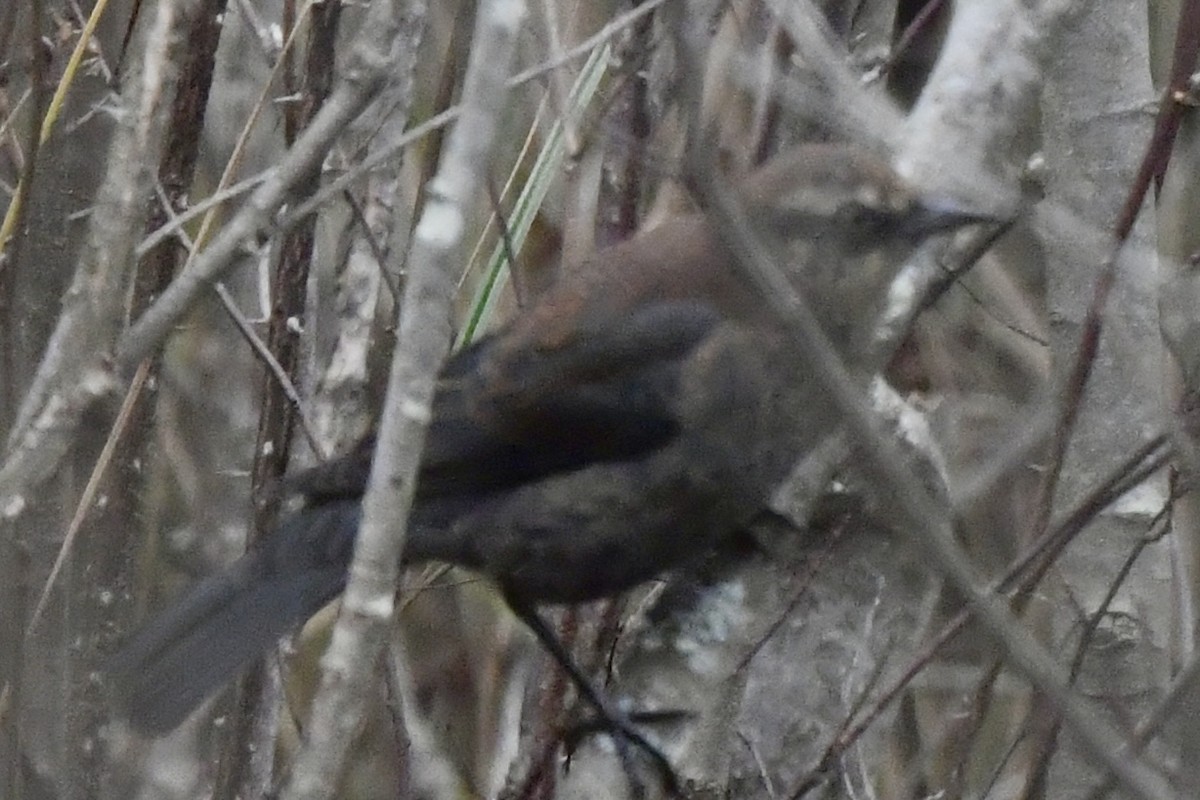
642	410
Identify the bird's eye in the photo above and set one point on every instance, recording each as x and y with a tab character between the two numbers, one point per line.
865	219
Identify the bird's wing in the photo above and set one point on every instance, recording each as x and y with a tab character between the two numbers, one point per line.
511	410
341	478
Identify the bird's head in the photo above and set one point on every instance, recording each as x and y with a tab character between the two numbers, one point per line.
845	223
846	199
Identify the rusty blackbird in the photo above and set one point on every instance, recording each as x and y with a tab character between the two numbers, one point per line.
640	411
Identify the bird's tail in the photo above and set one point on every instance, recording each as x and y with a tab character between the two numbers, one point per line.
232	617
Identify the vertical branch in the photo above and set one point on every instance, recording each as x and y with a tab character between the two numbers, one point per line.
423	341
254	716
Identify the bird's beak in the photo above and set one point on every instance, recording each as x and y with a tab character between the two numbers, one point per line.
939	215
